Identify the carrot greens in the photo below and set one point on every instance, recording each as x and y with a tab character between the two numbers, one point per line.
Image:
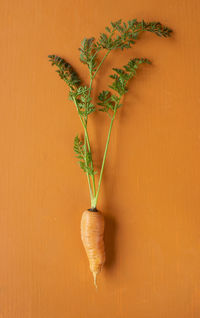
119	35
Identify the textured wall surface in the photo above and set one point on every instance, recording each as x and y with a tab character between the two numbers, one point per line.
150	191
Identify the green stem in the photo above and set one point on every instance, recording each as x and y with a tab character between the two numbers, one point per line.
86	134
88	177
104	158
88	143
89	182
101	63
93	194
90	188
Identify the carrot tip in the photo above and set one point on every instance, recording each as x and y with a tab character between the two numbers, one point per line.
95	279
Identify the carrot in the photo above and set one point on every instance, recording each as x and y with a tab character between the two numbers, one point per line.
119	35
92	232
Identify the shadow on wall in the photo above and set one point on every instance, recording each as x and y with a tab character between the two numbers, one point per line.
110	240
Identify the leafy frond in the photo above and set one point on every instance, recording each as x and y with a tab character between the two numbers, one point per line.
121	77
108	101
123	35
111	102
88	51
83	101
65	71
84	157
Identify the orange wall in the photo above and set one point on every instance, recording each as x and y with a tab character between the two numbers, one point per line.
150	193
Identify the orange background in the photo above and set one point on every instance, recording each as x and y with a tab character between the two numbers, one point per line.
150	190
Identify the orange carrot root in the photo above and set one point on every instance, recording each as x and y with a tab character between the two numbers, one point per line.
92	231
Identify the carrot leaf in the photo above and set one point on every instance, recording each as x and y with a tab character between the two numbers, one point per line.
118	35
